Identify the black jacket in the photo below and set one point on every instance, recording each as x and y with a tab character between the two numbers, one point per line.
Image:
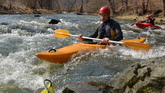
104	30
149	21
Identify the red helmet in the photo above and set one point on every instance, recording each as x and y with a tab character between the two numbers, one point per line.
104	10
148	16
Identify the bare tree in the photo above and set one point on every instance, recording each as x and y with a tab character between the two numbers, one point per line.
81	8
89	6
135	6
145	6
70	5
125	4
56	5
112	6
163	7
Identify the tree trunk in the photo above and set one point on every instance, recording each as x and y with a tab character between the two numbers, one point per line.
81	8
112	6
135	10
163	7
145	6
125	3
58	7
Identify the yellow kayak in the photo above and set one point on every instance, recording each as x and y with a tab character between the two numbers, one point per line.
64	54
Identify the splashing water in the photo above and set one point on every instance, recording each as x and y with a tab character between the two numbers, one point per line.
22	36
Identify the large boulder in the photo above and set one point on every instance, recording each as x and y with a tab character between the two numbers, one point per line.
142	77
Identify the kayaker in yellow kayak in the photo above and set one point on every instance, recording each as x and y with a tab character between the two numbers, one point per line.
108	30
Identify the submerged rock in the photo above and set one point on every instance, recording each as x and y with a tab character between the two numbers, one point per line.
37	16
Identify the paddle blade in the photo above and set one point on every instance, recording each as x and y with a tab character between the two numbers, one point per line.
49	88
137	46
132	24
61	33
138	40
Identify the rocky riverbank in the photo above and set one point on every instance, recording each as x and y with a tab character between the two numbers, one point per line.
142	77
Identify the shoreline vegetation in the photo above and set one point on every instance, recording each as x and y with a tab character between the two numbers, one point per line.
159	20
11	9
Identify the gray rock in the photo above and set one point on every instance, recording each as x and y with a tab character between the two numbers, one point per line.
144	77
92	87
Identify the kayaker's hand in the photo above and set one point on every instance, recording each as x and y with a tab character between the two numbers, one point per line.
80	37
105	40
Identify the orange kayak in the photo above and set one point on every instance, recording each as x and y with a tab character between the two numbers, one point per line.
64	54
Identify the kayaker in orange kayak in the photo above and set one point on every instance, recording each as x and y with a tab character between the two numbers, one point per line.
108	30
150	19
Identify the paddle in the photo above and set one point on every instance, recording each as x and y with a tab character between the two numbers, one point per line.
48	88
61	33
133	24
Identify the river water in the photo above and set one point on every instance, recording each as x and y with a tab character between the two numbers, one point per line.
22	36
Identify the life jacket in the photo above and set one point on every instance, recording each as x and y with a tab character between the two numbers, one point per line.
150	21
108	30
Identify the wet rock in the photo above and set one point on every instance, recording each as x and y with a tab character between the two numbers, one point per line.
67	90
143	77
37	16
4	23
92	87
54	21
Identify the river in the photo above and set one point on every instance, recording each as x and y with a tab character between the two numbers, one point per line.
23	35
